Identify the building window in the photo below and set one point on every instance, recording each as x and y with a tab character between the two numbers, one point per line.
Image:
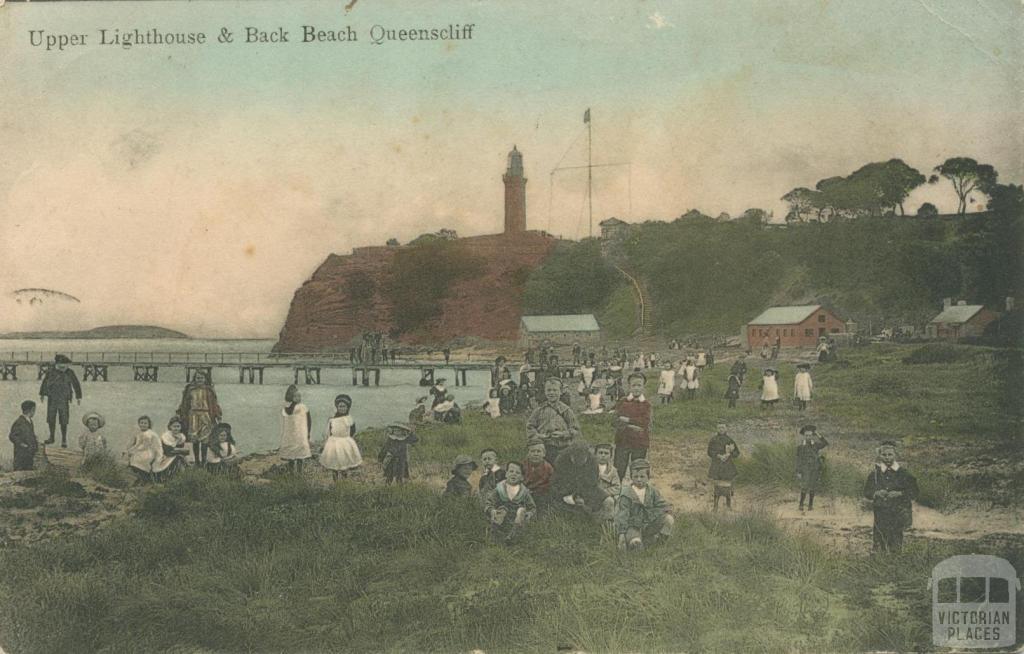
808	332
821	317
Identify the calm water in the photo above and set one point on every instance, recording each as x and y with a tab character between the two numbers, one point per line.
252	410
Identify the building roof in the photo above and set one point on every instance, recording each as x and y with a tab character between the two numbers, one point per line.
785	315
576	323
959	313
612	221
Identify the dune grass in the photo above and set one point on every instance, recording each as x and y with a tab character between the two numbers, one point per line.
213	564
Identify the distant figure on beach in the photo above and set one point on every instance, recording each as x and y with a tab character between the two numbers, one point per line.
199	412
296	425
891	489
341	453
732	392
394	453
91	441
23	437
739	368
823	351
666	383
492	406
419	413
447	355
59	385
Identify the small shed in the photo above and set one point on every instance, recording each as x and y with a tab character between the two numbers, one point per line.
613	228
794	326
563	330
959	321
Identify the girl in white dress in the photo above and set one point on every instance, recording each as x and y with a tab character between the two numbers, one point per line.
341	453
769	388
144	450
667	383
493	405
802	385
691	379
295	427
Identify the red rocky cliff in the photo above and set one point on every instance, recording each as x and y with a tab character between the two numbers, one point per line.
347	295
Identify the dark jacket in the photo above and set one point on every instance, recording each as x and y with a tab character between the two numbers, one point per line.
733	391
891	511
722	470
23	436
489	480
576	474
457	486
631	513
394	456
60	387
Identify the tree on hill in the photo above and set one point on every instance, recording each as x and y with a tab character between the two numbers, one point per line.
967	175
927	210
576	278
754	216
802	201
991	248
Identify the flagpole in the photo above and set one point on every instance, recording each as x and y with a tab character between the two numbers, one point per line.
590	177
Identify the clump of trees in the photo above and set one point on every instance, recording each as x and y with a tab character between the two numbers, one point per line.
422	276
576	278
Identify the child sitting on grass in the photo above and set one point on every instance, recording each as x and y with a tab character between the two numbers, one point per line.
537	472
458	485
222	454
510	505
607	475
92	442
642	516
493	405
491	474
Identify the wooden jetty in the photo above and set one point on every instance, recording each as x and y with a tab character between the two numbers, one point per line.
250	366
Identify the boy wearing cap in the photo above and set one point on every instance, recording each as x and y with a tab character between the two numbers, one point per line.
458	485
809	463
891	489
59	385
642	516
634	418
91	441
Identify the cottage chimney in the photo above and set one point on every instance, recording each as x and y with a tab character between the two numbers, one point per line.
1009	303
947	302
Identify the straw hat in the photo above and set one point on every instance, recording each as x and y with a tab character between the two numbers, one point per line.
91	415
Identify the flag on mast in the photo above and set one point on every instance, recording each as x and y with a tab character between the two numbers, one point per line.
586	116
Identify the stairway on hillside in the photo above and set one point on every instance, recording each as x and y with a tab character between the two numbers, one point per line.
644	306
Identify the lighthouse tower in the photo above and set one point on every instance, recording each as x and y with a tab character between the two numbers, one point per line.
515	193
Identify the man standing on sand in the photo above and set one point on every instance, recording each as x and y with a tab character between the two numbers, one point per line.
553	422
891	489
23	436
59	385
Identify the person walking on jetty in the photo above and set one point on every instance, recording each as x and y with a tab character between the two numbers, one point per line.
23	437
769	388
634	418
394	453
722	450
59	386
553	422
891	489
199	411
802	385
642	516
296	425
809	463
341	453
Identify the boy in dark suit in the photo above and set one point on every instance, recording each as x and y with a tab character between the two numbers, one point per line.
23	436
891	489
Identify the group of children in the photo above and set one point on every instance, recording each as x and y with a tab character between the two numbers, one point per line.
769	386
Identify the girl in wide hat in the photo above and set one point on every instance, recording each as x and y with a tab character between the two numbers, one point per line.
92	441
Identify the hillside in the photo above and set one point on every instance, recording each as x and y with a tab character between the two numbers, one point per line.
430	291
107	331
705	276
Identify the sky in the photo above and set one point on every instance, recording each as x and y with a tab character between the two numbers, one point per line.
197	187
